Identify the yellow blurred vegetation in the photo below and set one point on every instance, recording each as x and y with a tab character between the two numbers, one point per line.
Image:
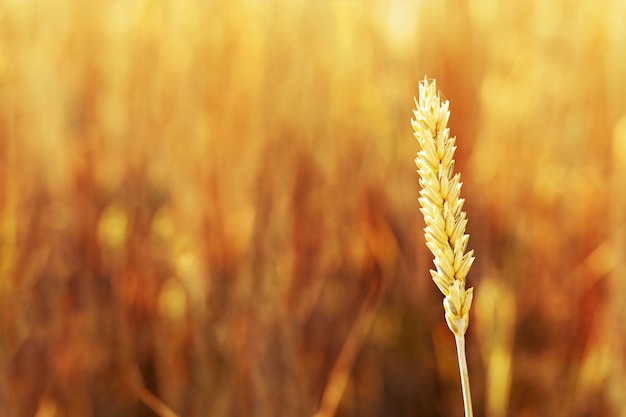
210	207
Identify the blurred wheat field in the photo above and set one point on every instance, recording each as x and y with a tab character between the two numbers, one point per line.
212	206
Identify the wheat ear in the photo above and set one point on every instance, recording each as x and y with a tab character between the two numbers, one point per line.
445	220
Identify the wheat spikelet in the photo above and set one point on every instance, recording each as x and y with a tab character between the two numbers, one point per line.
445	219
442	205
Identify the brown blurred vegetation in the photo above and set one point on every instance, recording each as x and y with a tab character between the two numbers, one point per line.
212	205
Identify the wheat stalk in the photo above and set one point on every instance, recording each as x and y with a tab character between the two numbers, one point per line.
445	220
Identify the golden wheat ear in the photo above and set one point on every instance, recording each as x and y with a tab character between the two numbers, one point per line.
442	207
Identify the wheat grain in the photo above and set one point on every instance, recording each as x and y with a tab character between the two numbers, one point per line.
445	219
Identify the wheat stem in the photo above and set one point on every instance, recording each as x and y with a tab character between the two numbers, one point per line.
465	386
445	219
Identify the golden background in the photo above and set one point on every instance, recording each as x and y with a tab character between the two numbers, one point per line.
209	208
